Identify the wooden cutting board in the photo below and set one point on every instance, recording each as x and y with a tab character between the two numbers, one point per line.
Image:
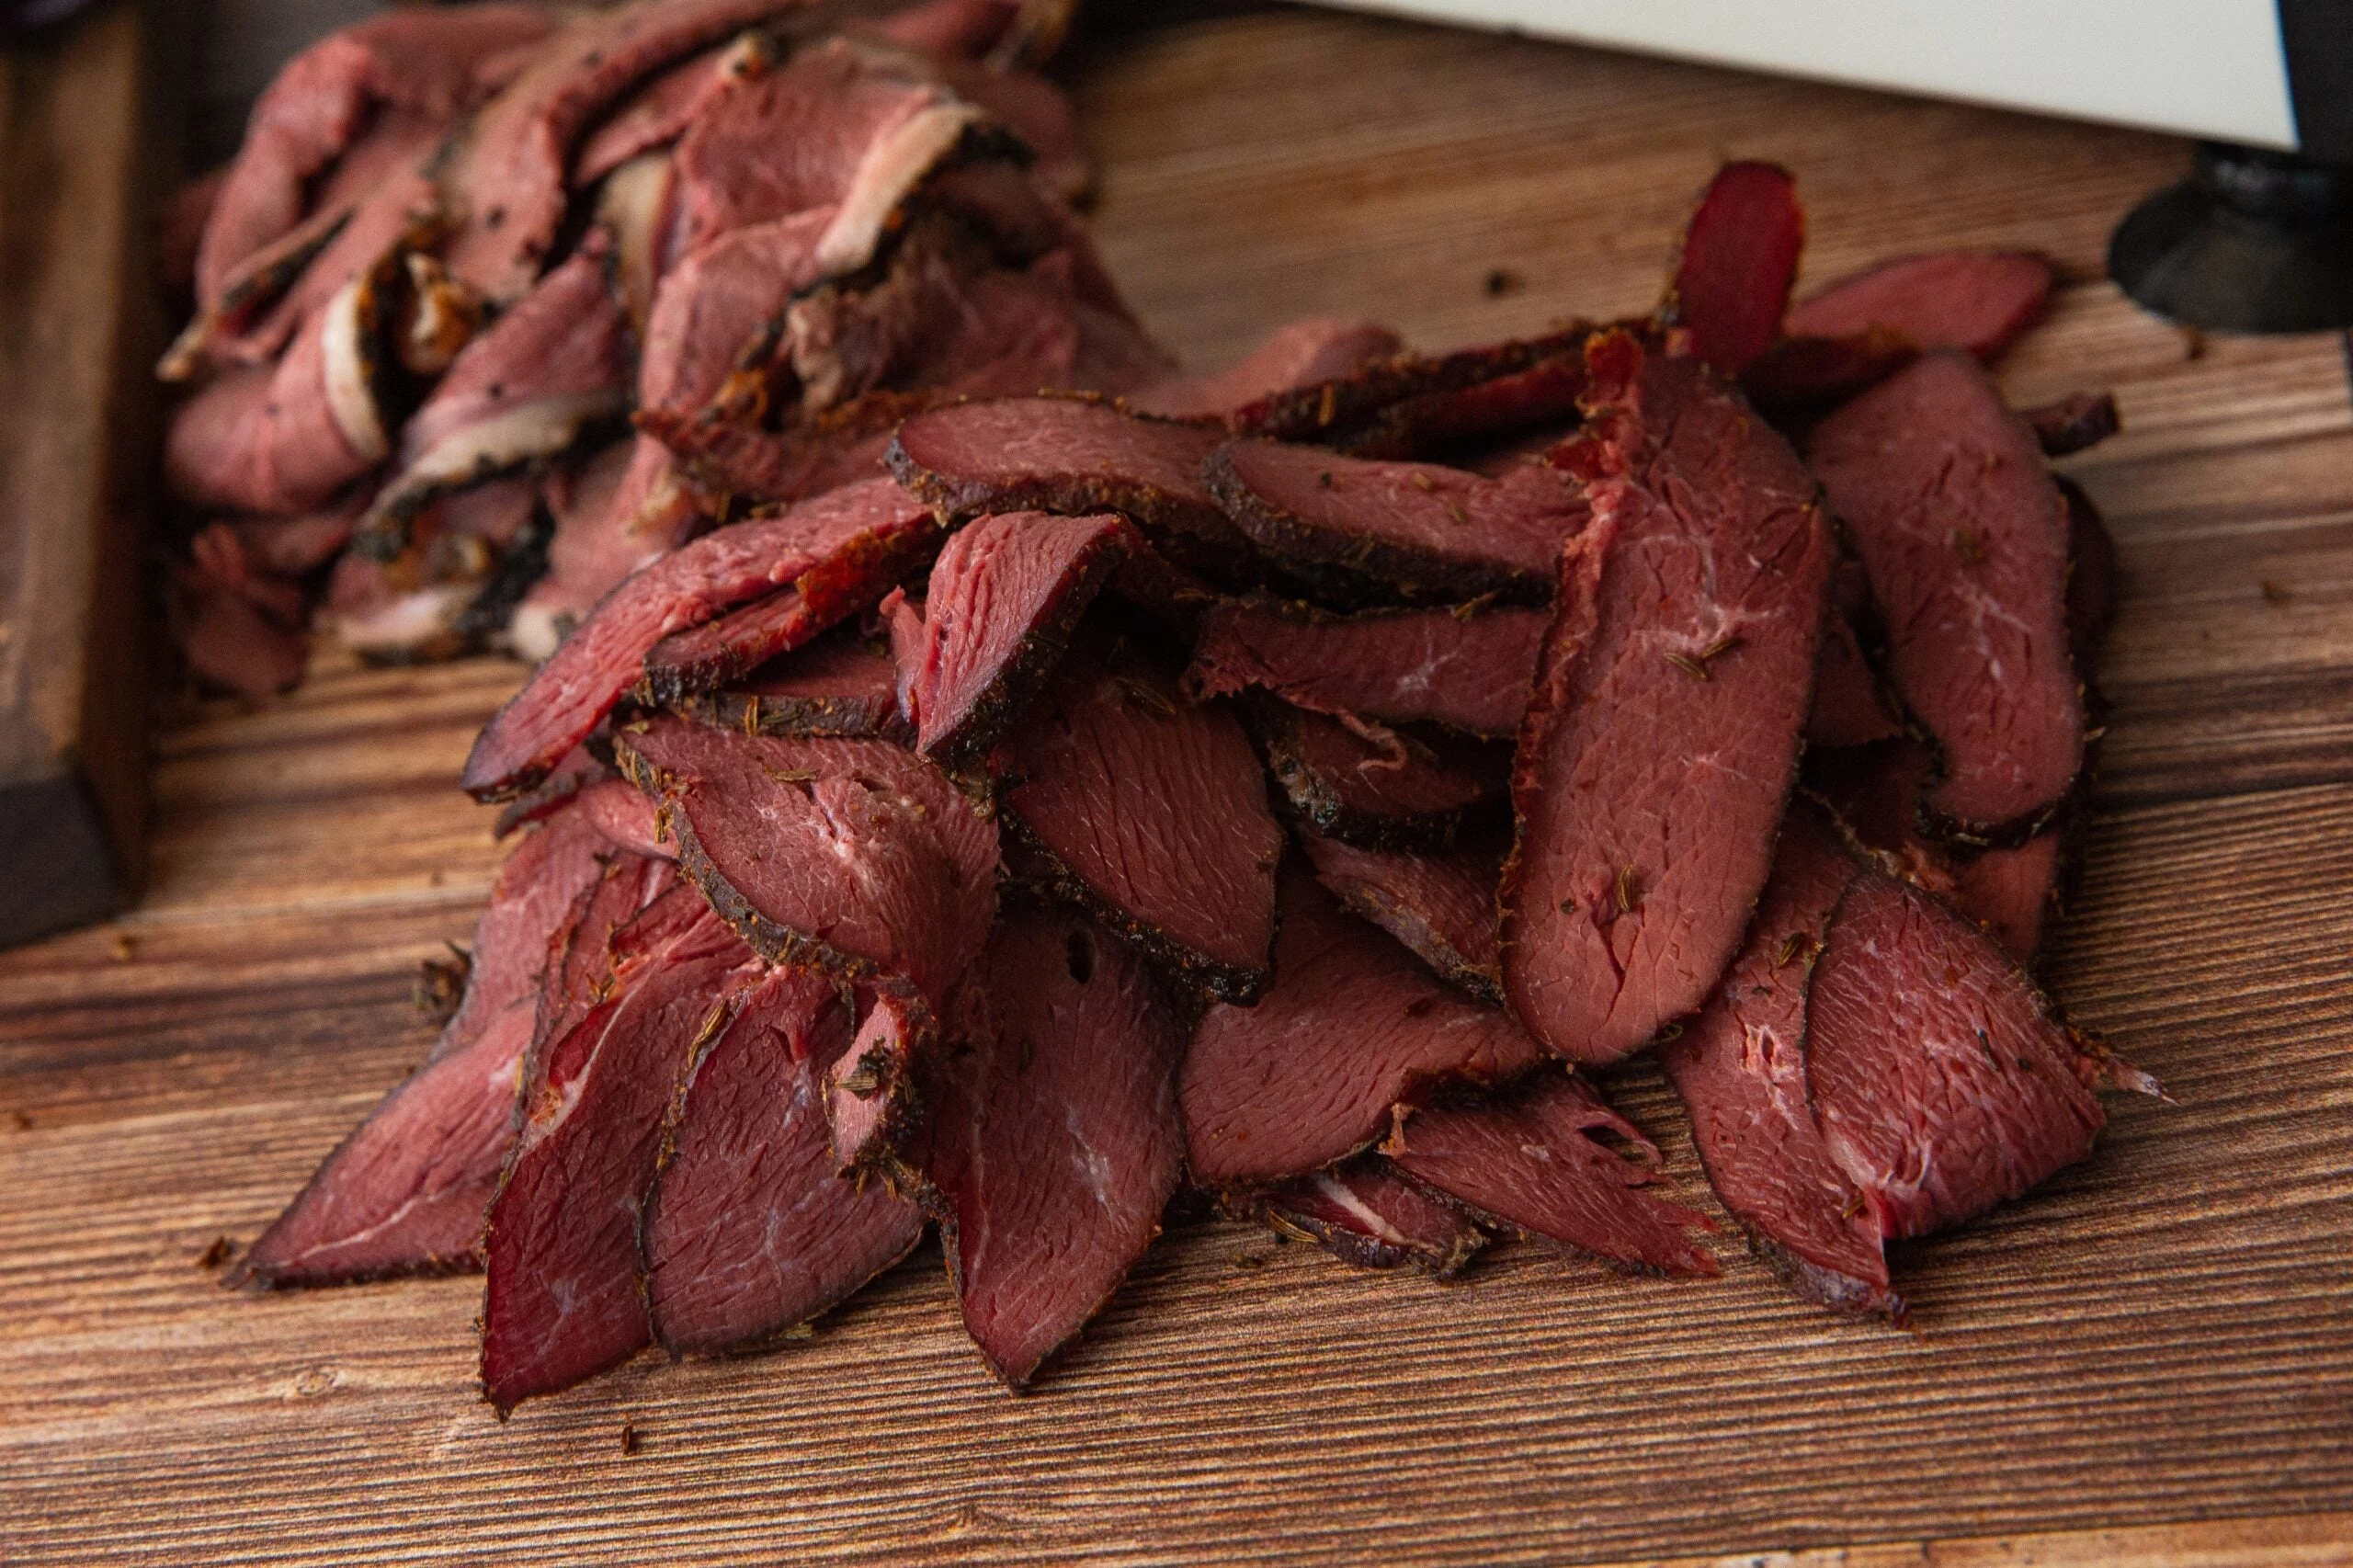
2150	1360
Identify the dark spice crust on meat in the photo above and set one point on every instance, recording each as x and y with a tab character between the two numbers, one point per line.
1044	871
1334	410
1346	567
800	718
1308	795
1354	1247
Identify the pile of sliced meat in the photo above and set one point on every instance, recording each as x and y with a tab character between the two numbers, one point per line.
1300	784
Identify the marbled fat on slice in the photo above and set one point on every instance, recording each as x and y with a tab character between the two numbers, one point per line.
1364	1213
1663	739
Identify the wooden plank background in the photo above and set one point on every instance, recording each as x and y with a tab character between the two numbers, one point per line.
2150	1360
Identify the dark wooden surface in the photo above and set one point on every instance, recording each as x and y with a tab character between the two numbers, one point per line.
81	138
2150	1360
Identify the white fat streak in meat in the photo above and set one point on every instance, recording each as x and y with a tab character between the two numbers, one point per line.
408	621
540	428
635	204
893	167
349	323
1093	1168
1374	1225
535	631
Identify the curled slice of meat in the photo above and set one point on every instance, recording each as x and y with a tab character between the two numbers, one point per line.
1364	1213
2074	423
1945	496
1421	530
1977	300
1152	811
1663	739
1942	1082
843	686
856	858
1376	788
605	656
750	1231
1338	410
1440	903
1740	256
1351	1033
1005	595
1740	1068
1055	1146
561	1303
1540	1158
666	105
1466	667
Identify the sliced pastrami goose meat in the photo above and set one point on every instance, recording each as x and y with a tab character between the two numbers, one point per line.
1364	1213
1304	353
1351	1033
665	106
856	858
604	657
1739	1067
562	1301
1740	252
1382	789
1466	667
525	389
1549	1158
720	303
619	510
1440	902
1977	300
511	177
1005	595
1072	455
406	1192
1152	813
1420	530
1945	496
850	580
1055	1146
1544	396
1942	1083
1338	410
1663	739
844	686
750	1230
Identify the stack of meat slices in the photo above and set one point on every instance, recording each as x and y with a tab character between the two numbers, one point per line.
461	255
1301	792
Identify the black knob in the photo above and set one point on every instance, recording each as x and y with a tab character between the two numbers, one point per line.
2254	241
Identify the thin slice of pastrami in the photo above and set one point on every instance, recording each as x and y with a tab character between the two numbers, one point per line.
1545	1157
2076	423
1467	666
580	767
1942	1082
1420	530
1331	412
1005	595
605	655
843	686
1799	378
1739	1066
1543	396
750	1230
850	580
511	177
1945	497
1059	454
856	858
1152	812
1739	258
667	105
1364	1213
1351	1030
1663	738
1055	1146
1976	300
1440	902
1304	353
563	1303
1379	790
406	1191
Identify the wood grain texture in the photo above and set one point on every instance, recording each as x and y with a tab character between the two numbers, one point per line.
2149	1361
79	115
